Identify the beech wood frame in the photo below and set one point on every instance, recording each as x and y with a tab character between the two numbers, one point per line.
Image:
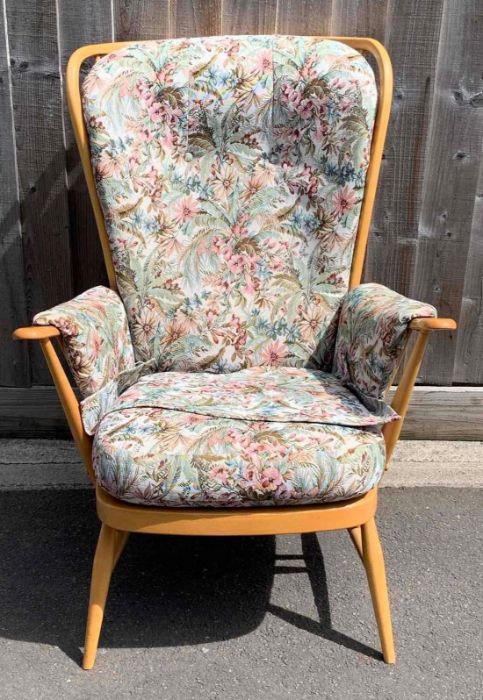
119	518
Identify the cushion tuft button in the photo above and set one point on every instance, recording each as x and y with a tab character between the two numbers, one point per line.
274	158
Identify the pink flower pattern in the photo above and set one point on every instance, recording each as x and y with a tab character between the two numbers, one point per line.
95	335
226	192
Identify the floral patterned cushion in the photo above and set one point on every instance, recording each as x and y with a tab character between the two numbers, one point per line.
285	394
231	173
159	457
371	335
95	337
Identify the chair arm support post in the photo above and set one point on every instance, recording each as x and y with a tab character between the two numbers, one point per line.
67	397
70	405
400	402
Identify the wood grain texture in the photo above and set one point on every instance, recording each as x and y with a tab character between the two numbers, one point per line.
304	17
451	175
88	22
141	19
14	364
469	346
360	18
309	17
195	17
37	105
435	413
412	37
249	17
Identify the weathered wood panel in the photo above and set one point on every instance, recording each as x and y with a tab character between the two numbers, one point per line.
469	348
37	105
304	17
451	174
249	17
411	36
360	18
196	17
83	23
141	19
14	366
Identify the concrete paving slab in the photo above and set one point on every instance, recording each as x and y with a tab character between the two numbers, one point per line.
242	618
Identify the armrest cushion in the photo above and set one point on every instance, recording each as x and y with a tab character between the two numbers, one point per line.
372	332
95	334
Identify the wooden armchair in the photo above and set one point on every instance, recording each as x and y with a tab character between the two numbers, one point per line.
233	376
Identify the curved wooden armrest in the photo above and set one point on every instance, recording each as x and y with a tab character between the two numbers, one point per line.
433	324
35	333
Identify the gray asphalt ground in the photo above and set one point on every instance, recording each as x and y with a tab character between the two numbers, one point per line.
241	618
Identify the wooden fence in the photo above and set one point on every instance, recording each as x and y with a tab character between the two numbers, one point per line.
427	233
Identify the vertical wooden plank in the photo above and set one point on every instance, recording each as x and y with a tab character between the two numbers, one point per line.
411	37
141	19
450	175
37	105
249	17
83	23
14	365
469	344
304	17
196	17
360	18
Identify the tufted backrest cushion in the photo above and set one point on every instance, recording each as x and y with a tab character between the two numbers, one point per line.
231	173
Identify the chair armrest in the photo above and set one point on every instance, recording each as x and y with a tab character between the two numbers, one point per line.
432	324
94	333
373	328
35	333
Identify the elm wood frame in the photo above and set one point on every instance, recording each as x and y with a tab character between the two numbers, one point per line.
119	518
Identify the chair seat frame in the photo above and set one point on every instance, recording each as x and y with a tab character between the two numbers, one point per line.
119	518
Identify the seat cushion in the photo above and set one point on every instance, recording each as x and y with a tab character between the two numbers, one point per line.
159	457
256	437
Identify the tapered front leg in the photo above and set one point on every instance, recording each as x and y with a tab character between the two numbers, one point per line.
109	548
376	575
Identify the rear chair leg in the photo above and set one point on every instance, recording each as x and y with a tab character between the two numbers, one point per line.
356	537
376	575
109	548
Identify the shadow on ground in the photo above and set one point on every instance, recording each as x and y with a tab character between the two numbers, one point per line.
166	591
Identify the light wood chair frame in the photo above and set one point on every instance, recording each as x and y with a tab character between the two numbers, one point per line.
119	518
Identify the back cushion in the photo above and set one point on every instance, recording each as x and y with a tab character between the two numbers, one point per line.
231	172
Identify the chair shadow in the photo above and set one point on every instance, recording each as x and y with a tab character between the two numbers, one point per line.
166	591
315	569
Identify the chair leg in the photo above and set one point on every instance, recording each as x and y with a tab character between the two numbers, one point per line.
356	537
376	576
109	547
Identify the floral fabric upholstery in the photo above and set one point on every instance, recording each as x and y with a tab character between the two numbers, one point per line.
231	173
95	335
285	394
371	335
159	457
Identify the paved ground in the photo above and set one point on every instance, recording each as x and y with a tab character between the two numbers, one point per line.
241	618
